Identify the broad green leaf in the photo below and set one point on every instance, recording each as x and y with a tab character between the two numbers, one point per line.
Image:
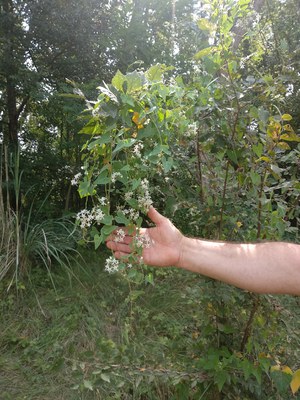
265	159
155	73
98	239
107	220
290	137
286	117
205	52
88	385
106	230
126	99
103	178
263	115
121	219
103	139
92	127
125	143
167	164
295	383
161	148
86	188
105	377
118	81
258	149
220	379
282	380
135	81
205	25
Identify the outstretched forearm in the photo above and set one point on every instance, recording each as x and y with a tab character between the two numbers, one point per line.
262	268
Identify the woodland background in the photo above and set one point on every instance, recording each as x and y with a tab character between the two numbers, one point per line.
226	98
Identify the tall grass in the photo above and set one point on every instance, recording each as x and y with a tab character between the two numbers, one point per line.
26	241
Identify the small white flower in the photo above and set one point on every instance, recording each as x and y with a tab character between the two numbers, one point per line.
144	241
103	201
120	235
111	265
75	180
115	175
98	214
128	196
133	214
85	218
137	149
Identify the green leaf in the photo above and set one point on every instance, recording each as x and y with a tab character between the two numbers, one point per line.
107	220
220	379
98	239
125	143
88	385
286	117
255	178
106	230
118	81
290	137
121	219
258	149
103	178
155	73
92	127
205	25
135	81
103	139
161	148
281	380
126	99
205	52
86	188
105	377
167	164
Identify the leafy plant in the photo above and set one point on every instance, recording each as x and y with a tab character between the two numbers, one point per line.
25	241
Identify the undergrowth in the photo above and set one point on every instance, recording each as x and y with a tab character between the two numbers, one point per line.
101	337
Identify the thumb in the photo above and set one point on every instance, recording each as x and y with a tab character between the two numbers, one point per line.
155	216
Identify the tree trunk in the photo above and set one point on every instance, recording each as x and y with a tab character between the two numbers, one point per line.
11	70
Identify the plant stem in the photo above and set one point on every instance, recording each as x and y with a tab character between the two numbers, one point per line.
262	184
247	332
223	199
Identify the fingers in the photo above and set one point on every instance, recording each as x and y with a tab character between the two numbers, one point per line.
155	216
118	247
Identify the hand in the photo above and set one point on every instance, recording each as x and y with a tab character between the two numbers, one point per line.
165	238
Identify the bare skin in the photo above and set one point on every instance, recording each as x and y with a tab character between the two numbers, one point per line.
261	267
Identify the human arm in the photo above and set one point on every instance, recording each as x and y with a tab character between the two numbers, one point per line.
261	267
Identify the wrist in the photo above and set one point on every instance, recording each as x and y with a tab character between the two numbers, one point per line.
182	248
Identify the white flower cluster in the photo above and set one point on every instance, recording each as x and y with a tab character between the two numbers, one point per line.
130	212
128	196
87	217
76	179
137	149
120	235
111	265
115	176
103	201
144	241
145	200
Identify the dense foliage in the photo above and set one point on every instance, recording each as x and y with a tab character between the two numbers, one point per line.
197	112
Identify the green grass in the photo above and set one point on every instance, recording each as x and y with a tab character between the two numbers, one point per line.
99	337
